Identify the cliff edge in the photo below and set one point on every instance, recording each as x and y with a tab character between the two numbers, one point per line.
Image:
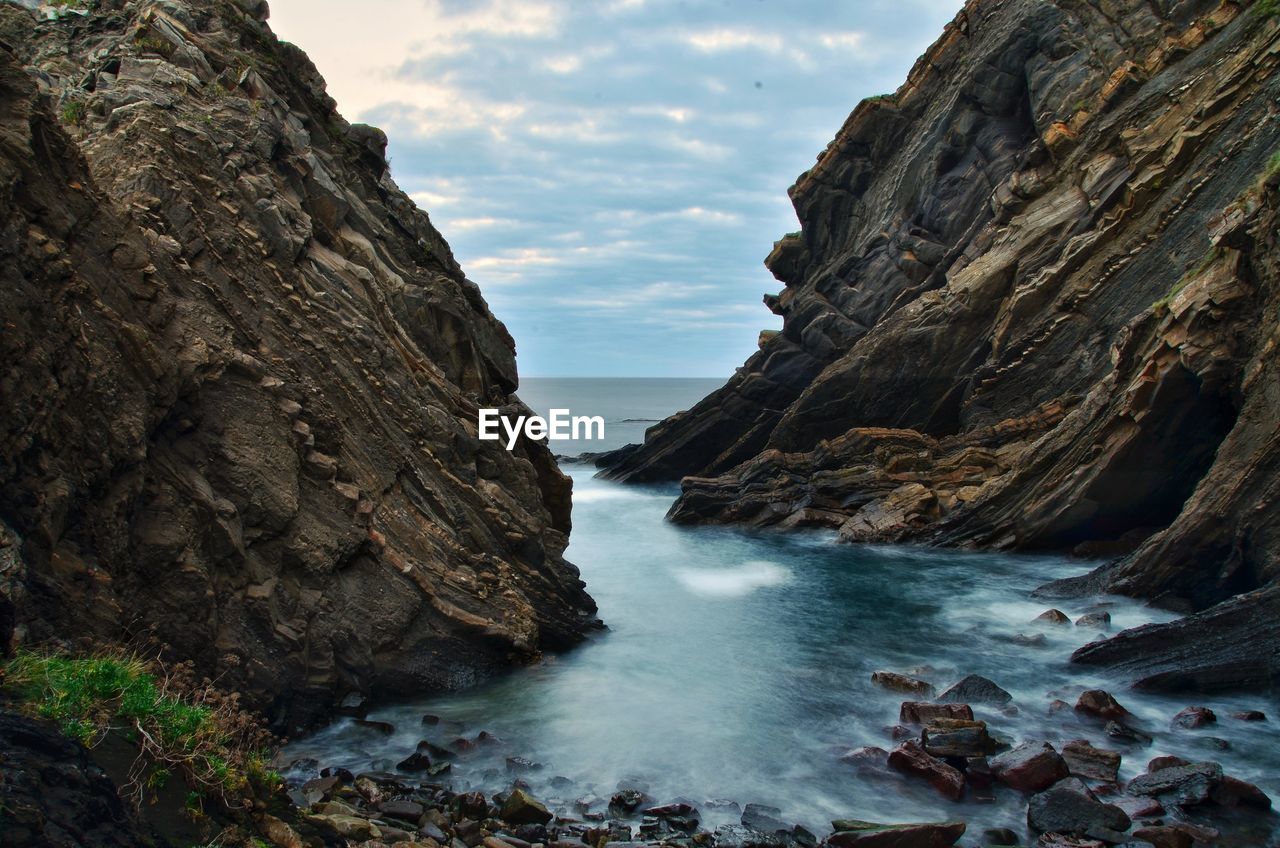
1033	304
240	373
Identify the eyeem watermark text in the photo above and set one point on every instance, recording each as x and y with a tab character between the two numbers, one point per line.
560	426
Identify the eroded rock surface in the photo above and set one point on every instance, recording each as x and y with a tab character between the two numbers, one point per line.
1032	305
240	372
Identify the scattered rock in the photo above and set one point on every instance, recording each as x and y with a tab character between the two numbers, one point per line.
921	712
1124	733
351	827
522	808
763	818
521	765
975	689
860	834
626	802
1029	767
1033	640
1095	620
910	759
1181	785
1084	760
403	809
952	737
1193	717
741	836
895	682
1250	715
1068	807
1100	704
1163	836
1052	616
386	728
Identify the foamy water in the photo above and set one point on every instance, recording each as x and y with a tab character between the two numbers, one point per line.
737	666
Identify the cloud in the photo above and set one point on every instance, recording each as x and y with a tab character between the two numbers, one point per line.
611	173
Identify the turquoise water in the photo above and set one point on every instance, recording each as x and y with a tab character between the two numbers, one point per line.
737	666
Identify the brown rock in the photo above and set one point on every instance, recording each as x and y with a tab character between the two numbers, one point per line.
265	328
951	737
1100	704
920	712
859	834
1029	767
910	759
1164	837
895	682
1193	717
1052	616
1084	760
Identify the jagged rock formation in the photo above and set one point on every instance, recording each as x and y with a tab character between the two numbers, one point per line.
240	377
1033	304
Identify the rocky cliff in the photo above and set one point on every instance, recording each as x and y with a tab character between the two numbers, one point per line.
1033	304
240	372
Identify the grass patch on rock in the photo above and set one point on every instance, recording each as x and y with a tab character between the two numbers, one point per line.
179	726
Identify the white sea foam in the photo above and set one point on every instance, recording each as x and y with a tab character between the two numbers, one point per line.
733	582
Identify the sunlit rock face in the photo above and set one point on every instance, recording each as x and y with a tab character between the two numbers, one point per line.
240	377
1032	305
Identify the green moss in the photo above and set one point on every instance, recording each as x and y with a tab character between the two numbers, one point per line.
1267	7
93	695
73	111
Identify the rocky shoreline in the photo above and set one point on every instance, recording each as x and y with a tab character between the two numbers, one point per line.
1071	792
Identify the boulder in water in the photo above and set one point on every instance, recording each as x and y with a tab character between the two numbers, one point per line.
975	689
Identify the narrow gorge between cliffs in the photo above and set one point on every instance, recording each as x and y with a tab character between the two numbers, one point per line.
737	667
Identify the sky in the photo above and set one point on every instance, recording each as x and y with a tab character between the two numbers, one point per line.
612	173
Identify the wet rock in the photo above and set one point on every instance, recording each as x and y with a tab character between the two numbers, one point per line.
522	808
1057	705
1062	840
764	818
436	752
803	837
910	759
585	802
895	682
1193	717
1052	616
949	737
350	827
1100	620
681	809
1249	715
521	765
866	760
1100	704
1029	767
1163	836
1121	732
1084	760
317	788
1069	807
353	704
975	689
1180	785
1233	792
430	720
860	834
471	805
1139	808
1030	640
920	712
401	808
431	830
417	761
386	728
626	802
741	836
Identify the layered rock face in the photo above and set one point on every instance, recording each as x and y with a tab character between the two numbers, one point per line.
240	378
1033	304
